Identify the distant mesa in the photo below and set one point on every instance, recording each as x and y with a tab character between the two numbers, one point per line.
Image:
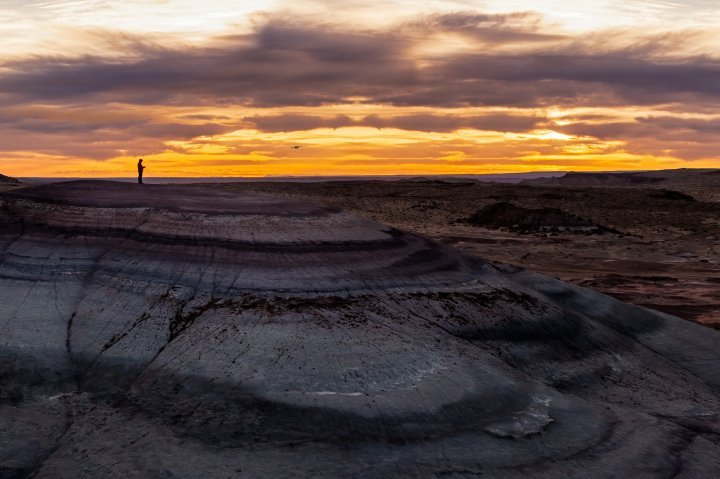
702	184
597	179
628	178
509	216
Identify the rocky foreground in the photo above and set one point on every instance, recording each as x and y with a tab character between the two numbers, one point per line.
183	332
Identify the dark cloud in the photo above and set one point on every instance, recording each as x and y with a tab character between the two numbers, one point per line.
288	65
417	122
498	28
291	122
685	138
665	128
180	130
128	127
97	141
438	123
86	145
538	79
684	125
605	131
205	117
285	65
518	62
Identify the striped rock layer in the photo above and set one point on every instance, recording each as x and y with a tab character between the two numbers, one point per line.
197	332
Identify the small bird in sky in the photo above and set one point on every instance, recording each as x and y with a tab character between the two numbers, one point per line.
295	147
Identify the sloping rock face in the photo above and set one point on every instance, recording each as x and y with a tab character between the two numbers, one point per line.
182	332
7	183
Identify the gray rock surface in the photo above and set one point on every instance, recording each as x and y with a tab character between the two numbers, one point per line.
188	332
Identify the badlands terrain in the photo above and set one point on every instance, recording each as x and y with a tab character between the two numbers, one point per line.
650	238
204	332
8	183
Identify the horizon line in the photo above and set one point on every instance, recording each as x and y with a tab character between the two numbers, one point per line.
388	175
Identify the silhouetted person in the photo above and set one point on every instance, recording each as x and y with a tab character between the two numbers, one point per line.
140	171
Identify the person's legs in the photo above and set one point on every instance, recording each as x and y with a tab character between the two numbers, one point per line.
140	179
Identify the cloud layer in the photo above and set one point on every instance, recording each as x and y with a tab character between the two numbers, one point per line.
282	64
499	84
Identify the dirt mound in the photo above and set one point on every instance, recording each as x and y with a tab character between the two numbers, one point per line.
504	215
672	195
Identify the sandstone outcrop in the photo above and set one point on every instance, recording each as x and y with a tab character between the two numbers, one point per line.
185	332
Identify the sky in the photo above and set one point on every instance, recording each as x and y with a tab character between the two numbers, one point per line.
357	87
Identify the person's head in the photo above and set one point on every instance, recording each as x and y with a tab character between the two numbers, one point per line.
140	161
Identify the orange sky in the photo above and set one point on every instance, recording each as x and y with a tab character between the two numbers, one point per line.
220	88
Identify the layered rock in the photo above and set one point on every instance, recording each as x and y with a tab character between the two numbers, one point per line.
164	331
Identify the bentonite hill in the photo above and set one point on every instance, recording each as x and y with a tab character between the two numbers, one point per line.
184	332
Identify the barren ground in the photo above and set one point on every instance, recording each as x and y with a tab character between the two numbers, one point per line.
164	331
665	257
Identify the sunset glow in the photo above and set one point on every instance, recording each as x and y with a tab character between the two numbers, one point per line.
226	88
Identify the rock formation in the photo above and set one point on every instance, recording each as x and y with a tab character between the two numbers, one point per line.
505	215
188	332
585	179
7	183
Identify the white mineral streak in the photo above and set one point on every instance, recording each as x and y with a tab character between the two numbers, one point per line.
332	393
526	422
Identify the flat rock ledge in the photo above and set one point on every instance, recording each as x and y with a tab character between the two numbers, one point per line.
195	332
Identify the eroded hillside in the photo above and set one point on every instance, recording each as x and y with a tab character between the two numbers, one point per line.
166	331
